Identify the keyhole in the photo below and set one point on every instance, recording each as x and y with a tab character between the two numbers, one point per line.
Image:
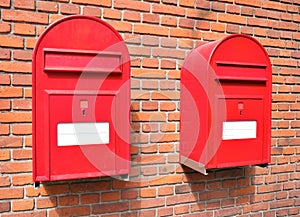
83	112
241	112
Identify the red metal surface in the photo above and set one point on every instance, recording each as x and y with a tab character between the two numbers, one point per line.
81	72
223	81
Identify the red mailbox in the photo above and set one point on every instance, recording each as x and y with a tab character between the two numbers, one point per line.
81	99
226	104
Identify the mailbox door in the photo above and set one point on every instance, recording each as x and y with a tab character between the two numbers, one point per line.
241	133
85	145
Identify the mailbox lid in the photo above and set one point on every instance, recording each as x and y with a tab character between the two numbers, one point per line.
237	57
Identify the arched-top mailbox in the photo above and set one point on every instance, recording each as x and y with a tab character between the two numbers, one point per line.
226	104
81	99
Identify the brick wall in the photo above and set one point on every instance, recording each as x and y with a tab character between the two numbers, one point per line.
159	34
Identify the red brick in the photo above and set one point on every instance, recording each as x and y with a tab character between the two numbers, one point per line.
137	94
185	33
54	189
150	18
47	6
121	27
88	187
46	202
166	180
10	92
165	190
148	192
131	16
112	14
21	104
183	198
14	117
5	3
26	214
149	159
21	80
24	16
4	155
16	167
167	64
92	11
22	154
4	53
168	9
181	209
105	3
28	92
71	200
150	106
11	41
22	205
70	211
147	116
150	29
129	194
69	9
150	63
53	18
11	193
110	196
24	4
22	55
229	18
4	27
233	9
274	5
4	207
89	198
168	211
4	129
4	79
147	213
130	4
147	203
168	21
10	142
19	180
256	3
218	27
19	67
139	51
32	192
30	42
111	207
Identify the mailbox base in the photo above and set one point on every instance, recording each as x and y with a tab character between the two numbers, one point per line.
193	164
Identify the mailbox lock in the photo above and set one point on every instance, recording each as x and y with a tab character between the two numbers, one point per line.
240	107
84	104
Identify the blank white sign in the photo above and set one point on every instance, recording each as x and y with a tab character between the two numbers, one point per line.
239	130
82	133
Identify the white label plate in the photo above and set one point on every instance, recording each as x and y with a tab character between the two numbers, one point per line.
239	130
82	133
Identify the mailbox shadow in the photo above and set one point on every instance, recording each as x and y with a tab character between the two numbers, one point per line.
229	189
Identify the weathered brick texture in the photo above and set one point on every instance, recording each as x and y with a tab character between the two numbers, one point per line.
159	35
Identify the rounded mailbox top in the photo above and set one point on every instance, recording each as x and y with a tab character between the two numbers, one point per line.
236	48
233	53
79	32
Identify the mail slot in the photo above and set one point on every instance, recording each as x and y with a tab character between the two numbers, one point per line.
226	104
81	99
